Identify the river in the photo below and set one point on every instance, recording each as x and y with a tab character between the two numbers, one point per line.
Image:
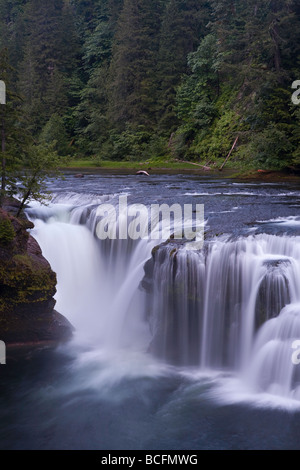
182	350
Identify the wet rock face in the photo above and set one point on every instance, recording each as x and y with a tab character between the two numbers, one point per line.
27	287
173	285
274	291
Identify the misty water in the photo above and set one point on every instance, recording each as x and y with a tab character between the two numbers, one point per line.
186	350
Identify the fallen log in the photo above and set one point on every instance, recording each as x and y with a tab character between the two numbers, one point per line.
204	167
228	156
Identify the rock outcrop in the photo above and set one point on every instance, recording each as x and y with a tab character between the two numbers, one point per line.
27	287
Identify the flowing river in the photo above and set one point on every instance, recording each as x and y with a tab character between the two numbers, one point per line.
173	348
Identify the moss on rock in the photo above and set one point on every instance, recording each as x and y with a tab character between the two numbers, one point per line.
27	287
7	232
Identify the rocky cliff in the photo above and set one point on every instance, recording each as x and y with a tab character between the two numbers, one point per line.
27	287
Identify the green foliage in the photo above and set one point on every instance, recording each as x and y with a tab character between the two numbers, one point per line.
296	137
54	133
198	94
220	140
14	135
7	231
129	145
270	148
50	54
133	84
42	162
239	85
92	124
140	79
156	148
183	25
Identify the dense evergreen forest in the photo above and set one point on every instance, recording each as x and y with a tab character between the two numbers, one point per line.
144	79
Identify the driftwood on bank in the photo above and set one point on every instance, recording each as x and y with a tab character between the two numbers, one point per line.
228	156
204	167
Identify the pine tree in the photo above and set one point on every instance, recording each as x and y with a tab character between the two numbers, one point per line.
121	76
183	26
132	71
50	56
91	113
14	138
12	29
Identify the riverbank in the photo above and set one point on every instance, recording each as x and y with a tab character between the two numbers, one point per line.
82	167
109	165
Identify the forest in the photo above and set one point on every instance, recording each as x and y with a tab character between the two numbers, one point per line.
133	80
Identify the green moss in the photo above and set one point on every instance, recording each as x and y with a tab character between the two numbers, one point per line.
22	260
7	232
22	281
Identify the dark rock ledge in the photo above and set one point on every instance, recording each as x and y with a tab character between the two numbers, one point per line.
27	287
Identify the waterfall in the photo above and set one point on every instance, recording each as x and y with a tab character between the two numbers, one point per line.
98	281
174	304
271	368
233	306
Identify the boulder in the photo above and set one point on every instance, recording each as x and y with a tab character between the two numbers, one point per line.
27	287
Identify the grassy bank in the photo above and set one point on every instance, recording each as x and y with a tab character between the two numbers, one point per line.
232	170
175	165
116	165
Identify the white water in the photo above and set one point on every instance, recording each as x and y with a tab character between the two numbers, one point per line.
97	285
235	307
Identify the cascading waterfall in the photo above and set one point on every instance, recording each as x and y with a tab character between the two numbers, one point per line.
97	280
233	306
271	368
174	285
236	307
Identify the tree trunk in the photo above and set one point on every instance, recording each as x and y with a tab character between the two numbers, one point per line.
277	56
26	196
227	158
28	193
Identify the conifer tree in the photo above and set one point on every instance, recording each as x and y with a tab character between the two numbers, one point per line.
50	56
183	26
14	137
132	71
